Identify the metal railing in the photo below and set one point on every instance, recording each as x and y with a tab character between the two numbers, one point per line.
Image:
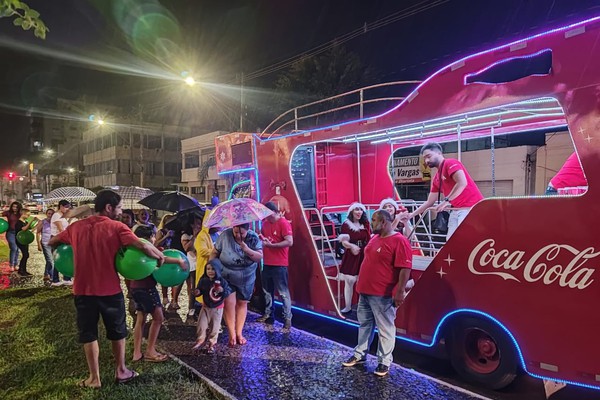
295	118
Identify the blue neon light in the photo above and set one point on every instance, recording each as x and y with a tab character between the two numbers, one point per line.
414	92
240	183
233	171
435	339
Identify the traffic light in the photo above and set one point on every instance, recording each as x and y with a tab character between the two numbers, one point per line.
11	176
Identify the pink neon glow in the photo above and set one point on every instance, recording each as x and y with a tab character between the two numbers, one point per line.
499	63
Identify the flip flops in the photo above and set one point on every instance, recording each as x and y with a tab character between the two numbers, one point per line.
82	384
128	379
156	359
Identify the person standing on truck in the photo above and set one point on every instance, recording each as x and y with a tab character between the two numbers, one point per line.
381	282
569	175
459	191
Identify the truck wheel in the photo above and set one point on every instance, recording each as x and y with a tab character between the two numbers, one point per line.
483	353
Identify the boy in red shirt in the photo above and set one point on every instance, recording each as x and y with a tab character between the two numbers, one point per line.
276	235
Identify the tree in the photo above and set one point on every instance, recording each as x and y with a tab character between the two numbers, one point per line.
24	17
314	78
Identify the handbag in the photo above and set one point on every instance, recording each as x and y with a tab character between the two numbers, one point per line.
440	223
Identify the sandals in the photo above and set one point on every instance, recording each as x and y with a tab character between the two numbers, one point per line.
82	384
157	358
128	379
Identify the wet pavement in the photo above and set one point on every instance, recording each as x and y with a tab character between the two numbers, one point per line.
276	364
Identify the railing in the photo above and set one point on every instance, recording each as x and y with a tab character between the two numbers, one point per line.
295	118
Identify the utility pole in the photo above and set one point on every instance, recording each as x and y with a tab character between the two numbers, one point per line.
242	103
140	111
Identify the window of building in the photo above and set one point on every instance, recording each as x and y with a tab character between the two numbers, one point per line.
122	139
172	144
136	140
198	189
172	169
107	141
191	159
154	142
124	167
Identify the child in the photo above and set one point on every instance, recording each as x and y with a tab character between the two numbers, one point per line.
213	289
22	225
147	301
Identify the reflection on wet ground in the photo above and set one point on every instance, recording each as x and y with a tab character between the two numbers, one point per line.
278	364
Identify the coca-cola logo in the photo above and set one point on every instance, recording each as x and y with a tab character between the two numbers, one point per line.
560	264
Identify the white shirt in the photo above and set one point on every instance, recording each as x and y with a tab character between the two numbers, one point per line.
57	217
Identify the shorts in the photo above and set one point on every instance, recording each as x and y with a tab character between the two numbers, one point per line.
146	300
90	308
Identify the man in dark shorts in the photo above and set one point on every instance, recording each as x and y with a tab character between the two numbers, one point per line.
95	241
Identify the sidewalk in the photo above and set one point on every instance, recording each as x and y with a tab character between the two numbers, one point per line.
296	365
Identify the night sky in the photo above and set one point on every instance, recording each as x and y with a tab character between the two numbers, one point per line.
220	39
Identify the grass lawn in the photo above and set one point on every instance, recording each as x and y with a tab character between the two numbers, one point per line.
41	359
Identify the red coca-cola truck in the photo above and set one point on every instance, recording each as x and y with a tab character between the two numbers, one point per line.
516	288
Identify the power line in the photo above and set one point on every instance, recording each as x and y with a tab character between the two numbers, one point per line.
396	16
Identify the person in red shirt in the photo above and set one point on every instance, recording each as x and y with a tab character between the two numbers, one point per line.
276	235
569	175
97	289
381	282
451	179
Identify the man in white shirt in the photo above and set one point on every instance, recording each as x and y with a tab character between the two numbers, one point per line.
59	223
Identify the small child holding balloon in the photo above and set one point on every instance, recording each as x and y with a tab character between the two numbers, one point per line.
147	301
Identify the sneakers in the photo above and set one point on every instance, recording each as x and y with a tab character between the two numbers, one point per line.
352	361
381	370
287	324
191	312
267	319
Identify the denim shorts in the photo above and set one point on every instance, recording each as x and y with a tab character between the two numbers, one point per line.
241	280
146	300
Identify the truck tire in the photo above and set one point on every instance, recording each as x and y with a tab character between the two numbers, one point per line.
482	352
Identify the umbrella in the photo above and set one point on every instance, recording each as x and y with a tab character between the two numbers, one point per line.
131	195
70	193
185	218
236	212
169	201
80	212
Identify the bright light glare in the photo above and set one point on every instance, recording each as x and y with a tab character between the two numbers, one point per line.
70	170
190	81
100	121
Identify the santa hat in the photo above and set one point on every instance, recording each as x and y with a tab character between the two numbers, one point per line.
357	205
393	203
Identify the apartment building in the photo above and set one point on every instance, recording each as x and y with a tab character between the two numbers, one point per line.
199	176
147	155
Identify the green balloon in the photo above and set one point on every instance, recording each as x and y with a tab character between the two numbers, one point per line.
25	237
133	264
3	225
172	274
34	221
63	260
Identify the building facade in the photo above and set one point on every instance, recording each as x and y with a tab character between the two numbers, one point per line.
199	176
147	155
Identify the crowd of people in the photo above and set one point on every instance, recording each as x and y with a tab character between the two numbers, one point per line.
376	266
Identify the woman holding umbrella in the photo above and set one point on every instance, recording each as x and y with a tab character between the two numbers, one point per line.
238	250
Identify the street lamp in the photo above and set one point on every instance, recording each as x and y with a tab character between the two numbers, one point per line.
190	81
100	121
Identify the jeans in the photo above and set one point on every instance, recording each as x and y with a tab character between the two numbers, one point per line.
11	238
456	218
276	278
380	311
47	250
24	257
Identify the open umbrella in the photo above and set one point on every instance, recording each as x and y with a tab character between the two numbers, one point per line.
70	193
185	218
169	201
236	212
131	195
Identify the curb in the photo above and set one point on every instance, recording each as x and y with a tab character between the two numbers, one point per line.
217	390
